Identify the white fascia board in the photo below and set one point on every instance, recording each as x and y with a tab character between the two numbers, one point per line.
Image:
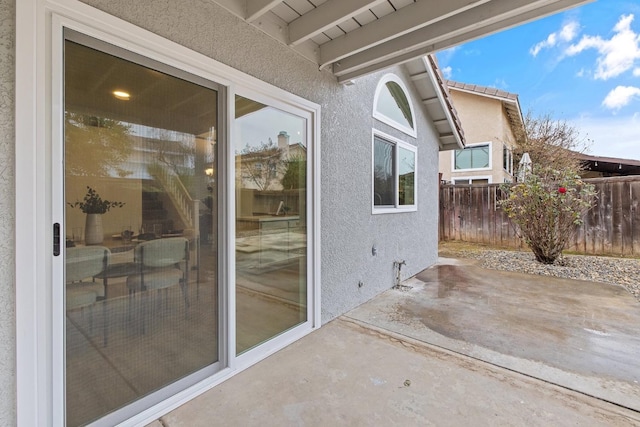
443	106
326	16
499	14
520	116
405	20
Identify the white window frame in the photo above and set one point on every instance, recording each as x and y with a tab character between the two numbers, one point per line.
509	168
39	320
489	178
397	143
411	131
478	144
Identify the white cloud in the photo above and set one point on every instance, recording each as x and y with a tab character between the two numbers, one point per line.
580	73
549	42
447	55
617	54
566	34
636	72
611	136
447	72
569	31
621	96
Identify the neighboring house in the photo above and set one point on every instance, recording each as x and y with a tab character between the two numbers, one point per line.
266	164
598	167
491	120
123	331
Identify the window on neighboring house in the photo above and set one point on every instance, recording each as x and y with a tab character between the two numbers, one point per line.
473	157
394	175
466	181
393	106
507	159
273	170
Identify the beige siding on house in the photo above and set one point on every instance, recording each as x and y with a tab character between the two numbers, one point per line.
483	120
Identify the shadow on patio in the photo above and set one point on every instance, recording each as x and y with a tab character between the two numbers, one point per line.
457	345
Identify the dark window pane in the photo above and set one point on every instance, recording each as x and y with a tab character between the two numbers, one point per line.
406	176
383	173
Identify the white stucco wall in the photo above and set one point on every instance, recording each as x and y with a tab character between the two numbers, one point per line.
7	208
349	230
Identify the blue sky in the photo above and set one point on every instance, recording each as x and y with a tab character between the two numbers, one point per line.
581	65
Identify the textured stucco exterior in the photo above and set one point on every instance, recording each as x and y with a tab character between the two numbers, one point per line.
483	119
348	229
7	208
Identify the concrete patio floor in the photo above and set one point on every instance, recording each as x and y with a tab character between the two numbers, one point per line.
456	345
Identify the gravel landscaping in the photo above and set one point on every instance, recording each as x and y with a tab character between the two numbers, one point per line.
619	271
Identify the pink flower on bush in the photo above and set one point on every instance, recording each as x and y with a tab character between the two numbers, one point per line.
562	190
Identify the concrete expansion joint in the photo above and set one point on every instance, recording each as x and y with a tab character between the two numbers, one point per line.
468	361
372	330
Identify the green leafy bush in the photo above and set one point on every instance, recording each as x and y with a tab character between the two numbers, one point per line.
547	208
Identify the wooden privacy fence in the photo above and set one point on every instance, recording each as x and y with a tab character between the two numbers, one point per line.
471	213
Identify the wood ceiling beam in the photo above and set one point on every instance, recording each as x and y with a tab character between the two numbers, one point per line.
481	21
257	8
403	21
325	16
447	43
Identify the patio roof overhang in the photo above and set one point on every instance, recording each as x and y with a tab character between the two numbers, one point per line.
610	165
434	95
353	38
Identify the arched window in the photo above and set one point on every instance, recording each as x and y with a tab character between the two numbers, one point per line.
393	106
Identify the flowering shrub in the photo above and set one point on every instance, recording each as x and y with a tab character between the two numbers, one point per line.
546	208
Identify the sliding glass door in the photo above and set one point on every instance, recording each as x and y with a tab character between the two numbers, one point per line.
271	216
141	275
162	286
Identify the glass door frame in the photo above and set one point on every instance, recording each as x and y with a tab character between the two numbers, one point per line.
139	405
39	166
311	118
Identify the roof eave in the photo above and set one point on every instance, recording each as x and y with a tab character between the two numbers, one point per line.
454	139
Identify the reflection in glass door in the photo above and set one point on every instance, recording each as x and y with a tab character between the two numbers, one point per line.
271	216
141	286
